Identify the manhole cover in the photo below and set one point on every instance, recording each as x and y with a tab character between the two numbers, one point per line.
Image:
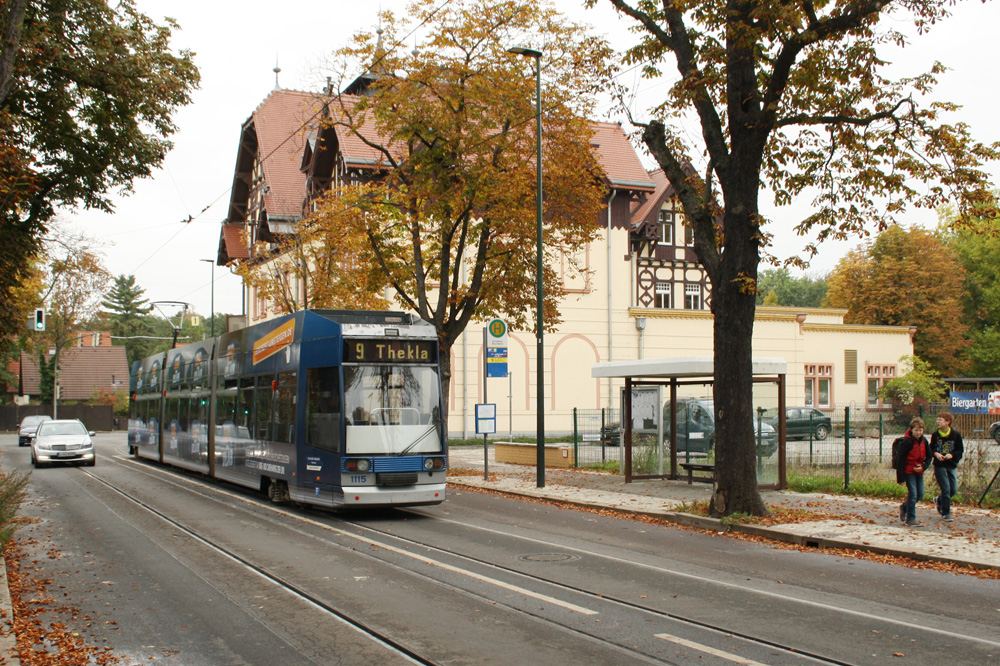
548	557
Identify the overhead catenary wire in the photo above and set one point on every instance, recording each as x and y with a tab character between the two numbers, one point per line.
310	119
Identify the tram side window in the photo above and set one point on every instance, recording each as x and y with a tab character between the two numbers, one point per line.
265	407
284	408
199	409
172	415
225	407
323	408
244	409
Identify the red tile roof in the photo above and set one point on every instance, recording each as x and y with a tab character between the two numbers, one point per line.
282	123
640	214
618	158
82	371
231	244
287	120
355	151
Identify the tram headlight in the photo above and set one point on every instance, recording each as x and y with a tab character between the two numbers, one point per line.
432	464
358	465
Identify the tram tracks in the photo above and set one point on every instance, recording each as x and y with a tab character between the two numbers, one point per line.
405	547
359	625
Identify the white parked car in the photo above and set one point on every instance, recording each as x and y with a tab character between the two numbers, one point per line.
62	441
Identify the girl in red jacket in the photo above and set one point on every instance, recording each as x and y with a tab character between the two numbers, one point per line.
911	456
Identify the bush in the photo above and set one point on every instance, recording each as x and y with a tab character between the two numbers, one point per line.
12	490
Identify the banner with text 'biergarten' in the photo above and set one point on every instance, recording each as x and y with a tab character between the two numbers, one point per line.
974	402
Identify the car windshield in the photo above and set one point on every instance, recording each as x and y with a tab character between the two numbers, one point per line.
49	429
33	420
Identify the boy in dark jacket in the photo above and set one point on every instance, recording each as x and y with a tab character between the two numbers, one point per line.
947	449
911	455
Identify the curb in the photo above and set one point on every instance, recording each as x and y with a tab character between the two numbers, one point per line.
717	525
8	639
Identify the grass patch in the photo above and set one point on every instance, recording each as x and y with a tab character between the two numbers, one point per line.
834	485
611	466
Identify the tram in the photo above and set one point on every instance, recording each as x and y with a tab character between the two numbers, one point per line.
333	408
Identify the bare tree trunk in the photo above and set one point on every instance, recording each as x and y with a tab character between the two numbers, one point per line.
733	304
445	358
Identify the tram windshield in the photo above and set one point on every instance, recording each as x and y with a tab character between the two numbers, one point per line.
392	409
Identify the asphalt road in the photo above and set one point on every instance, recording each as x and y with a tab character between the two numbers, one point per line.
478	580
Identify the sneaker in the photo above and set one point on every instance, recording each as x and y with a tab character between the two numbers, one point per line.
902	513
948	518
914	523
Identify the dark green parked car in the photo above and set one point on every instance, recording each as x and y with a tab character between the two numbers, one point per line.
799	420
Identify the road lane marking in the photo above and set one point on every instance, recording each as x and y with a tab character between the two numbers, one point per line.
728	656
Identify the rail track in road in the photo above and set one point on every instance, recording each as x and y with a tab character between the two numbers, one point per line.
485	577
357	624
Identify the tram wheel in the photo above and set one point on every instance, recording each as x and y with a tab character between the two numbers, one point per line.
277	491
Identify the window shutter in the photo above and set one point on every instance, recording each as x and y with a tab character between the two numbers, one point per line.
850	366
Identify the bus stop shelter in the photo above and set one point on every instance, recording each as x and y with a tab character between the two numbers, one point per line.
672	373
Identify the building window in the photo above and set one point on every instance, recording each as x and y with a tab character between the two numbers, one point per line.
259	304
666	220
878	375
689	235
692	297
819	386
664	296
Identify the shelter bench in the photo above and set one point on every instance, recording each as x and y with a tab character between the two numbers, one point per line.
699	467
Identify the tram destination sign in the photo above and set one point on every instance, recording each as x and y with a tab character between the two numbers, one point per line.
369	350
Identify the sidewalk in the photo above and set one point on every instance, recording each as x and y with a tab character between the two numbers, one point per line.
972	539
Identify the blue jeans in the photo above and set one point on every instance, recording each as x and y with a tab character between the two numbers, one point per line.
948	482
914	493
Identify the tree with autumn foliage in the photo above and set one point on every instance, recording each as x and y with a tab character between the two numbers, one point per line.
74	279
977	247
793	97
907	278
449	222
88	89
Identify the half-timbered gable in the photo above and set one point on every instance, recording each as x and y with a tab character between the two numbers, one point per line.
668	274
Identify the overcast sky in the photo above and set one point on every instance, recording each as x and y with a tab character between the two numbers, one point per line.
237	45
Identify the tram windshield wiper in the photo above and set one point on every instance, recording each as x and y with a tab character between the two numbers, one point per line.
409	447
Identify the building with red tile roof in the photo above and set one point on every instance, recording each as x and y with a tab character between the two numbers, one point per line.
91	365
645	294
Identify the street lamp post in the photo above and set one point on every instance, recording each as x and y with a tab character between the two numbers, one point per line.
211	325
539	286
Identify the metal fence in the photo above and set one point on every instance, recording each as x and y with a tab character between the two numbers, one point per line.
857	451
596	436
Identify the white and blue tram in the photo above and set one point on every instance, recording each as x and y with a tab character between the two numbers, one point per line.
327	407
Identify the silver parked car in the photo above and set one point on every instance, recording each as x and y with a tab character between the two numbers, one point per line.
29	424
62	441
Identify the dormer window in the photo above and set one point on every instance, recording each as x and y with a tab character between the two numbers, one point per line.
666	222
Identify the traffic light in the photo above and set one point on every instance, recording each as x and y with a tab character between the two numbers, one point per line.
39	319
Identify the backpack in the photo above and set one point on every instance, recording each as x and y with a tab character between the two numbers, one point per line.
897	444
